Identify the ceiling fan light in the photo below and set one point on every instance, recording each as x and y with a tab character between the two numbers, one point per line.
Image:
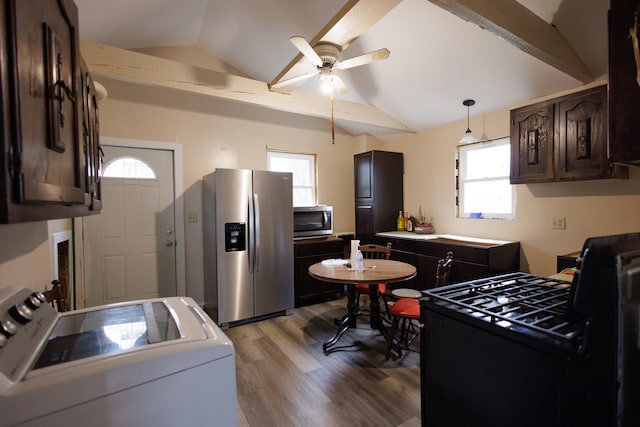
325	76
326	80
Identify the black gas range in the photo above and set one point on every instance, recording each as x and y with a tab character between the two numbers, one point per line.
526	350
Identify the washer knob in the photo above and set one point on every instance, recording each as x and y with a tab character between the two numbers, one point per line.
8	328
21	313
40	296
34	302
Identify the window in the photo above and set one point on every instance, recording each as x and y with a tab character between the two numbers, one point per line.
303	168
483	188
128	167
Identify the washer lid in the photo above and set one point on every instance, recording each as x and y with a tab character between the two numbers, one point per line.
108	330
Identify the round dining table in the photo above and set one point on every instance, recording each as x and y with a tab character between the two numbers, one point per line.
375	271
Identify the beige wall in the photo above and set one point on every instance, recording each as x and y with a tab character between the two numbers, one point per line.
590	207
217	133
25	253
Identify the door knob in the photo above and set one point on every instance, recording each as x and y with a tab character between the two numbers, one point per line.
168	243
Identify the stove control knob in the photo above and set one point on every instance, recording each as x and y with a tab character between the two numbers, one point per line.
21	313
8	328
3	340
34	302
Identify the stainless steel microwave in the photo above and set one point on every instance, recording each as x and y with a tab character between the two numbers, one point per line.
312	221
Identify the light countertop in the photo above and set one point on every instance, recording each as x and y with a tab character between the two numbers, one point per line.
416	236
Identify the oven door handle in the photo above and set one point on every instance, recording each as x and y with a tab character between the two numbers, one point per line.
584	345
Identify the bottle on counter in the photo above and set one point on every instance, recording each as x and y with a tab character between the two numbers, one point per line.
400	222
409	226
359	261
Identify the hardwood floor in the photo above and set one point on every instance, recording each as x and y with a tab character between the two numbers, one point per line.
285	379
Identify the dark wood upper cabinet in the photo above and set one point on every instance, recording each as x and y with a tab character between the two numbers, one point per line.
581	131
624	82
532	143
45	149
562	139
91	138
363	166
378	192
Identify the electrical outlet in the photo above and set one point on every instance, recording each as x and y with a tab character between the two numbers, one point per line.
558	223
192	218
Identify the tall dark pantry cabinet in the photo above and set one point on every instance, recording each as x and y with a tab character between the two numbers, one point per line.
378	192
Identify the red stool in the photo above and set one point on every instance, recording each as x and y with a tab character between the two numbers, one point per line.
403	312
406	310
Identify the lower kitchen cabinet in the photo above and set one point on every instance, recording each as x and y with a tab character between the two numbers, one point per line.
309	290
472	260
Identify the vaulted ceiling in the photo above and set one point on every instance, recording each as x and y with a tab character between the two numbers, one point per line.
499	52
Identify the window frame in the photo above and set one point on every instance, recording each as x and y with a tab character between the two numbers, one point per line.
461	151
312	157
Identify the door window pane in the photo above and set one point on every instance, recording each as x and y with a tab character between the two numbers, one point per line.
128	167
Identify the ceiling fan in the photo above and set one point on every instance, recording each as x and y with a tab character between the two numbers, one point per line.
326	57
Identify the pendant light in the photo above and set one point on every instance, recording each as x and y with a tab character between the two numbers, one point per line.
484	136
468	136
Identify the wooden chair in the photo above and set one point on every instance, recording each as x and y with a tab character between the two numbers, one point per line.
405	310
373	252
443	270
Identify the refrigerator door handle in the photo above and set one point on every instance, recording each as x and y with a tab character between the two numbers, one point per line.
251	234
256	232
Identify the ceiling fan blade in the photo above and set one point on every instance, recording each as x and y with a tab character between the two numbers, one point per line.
366	58
354	19
293	80
305	48
338	84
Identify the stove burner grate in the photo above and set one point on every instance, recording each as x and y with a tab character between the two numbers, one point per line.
521	302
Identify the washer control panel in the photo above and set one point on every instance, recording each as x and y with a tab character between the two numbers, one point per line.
25	322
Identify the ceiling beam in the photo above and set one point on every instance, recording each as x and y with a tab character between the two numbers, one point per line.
511	21
125	65
354	19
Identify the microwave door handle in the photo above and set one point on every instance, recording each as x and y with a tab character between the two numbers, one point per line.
325	219
256	232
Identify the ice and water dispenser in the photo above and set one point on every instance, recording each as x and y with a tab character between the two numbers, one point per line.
234	236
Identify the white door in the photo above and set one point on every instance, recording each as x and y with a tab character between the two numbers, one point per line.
130	245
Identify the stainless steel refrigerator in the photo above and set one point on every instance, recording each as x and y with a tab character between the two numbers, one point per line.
248	244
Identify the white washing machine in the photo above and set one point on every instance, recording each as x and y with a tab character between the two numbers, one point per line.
156	362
